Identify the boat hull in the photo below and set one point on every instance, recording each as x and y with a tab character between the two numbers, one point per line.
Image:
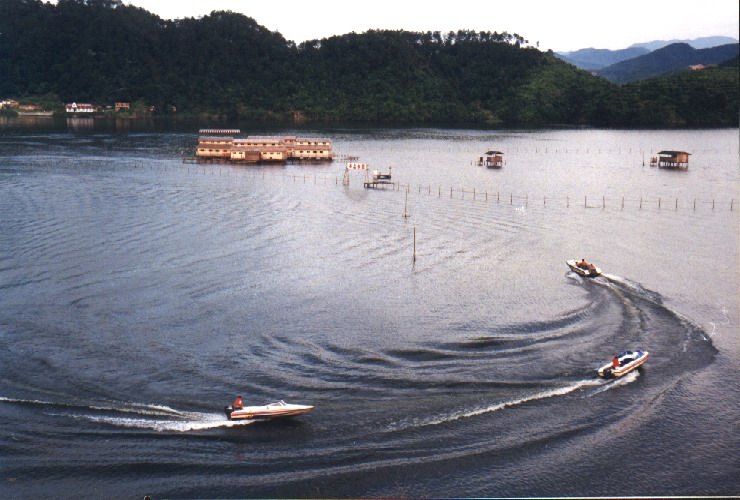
609	371
582	272
270	411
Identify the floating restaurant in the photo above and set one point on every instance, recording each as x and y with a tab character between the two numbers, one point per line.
220	145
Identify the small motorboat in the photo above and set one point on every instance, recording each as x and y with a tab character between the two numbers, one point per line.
277	409
623	364
587	271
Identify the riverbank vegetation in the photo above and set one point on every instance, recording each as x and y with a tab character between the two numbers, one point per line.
227	65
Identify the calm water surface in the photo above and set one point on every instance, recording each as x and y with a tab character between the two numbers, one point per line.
139	294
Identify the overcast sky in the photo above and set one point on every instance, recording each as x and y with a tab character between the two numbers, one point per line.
559	25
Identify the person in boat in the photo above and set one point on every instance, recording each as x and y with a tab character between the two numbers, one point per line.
238	403
591	268
583	264
615	362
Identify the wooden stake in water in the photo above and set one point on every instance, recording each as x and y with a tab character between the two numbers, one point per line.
414	244
405	206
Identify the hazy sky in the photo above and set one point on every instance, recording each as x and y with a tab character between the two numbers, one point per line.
559	25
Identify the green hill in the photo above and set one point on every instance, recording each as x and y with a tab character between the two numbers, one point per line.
226	64
706	98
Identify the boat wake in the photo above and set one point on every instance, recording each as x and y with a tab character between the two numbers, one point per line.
473	412
204	421
611	384
634	288
640	291
170	418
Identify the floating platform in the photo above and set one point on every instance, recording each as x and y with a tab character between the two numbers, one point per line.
379	184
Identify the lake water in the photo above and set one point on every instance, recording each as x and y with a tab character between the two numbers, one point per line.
139	294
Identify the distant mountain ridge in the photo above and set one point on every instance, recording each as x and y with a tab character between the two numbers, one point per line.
595	59
706	42
665	60
592	59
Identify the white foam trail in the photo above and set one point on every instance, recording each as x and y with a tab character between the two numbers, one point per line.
714	327
138	408
180	421
141	409
14	400
207	421
560	391
627	379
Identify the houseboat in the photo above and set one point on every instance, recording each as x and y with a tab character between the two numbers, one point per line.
492	159
671	159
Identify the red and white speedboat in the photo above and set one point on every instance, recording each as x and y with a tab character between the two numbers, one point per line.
623	364
277	409
585	270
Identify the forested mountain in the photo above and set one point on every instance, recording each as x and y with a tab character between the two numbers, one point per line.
706	98
666	60
226	64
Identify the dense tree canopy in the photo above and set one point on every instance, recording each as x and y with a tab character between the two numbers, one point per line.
227	64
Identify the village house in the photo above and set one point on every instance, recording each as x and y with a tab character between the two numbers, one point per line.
122	106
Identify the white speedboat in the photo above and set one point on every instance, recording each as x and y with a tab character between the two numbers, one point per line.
588	271
623	364
277	409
